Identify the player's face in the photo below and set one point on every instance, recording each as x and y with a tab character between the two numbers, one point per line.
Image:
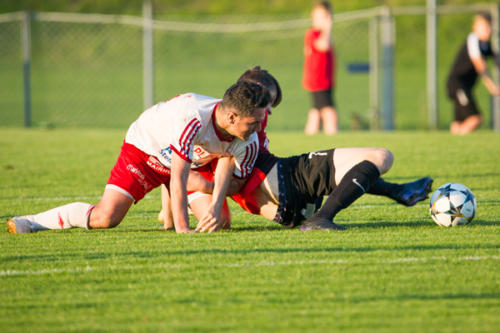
319	17
482	28
244	126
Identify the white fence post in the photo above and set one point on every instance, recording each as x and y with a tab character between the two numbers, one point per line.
148	54
495	105
374	74
431	29
26	54
388	36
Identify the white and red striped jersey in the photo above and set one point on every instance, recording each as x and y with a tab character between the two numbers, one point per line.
185	125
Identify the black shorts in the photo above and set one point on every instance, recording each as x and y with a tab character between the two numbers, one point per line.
322	98
463	100
303	180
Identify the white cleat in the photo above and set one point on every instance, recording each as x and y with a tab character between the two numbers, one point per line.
19	225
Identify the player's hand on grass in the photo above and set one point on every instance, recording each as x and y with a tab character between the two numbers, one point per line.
210	222
185	231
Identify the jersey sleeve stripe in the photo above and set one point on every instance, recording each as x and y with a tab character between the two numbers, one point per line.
189	139
247	165
184	157
188	134
243	162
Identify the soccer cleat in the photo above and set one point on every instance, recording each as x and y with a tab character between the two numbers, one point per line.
415	191
319	223
19	225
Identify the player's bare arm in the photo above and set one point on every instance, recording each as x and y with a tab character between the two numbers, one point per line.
178	190
481	68
212	220
322	20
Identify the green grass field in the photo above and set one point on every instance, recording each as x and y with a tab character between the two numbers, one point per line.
393	269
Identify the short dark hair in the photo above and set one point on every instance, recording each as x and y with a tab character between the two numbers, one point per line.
485	15
326	5
262	76
245	97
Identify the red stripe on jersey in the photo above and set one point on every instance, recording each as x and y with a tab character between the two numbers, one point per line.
188	134
248	160
252	160
184	157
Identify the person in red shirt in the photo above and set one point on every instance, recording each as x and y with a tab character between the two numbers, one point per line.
319	70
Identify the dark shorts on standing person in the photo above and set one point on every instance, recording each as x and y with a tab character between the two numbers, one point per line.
303	180
322	98
463	101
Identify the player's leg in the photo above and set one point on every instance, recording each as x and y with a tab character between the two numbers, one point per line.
111	210
199	203
472	117
330	120
407	194
470	124
324	102
356	170
313	122
108	213
165	215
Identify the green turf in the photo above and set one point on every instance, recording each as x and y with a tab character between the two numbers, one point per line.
393	269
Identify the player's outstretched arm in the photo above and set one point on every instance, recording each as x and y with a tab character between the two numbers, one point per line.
480	66
212	220
178	190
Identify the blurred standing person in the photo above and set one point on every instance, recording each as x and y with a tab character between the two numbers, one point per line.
318	76
470	63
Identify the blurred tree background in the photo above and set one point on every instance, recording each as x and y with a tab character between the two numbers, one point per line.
204	7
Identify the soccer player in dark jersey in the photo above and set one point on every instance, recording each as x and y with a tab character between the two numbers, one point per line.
469	64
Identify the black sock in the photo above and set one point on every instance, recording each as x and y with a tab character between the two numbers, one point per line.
354	184
381	187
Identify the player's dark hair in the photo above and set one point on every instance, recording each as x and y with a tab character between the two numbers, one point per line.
326	5
485	15
245	97
262	76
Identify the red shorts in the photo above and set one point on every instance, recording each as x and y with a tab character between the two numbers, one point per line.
245	197
137	173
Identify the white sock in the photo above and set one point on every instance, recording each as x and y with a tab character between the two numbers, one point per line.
65	217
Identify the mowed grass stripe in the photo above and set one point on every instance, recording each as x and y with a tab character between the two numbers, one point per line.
257	264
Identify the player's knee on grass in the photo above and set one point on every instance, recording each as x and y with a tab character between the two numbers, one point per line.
104	218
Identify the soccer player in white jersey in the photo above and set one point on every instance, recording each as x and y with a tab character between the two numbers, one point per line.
160	147
470	63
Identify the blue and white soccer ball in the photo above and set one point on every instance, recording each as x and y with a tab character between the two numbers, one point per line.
452	204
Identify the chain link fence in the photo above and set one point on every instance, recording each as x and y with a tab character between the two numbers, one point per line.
87	70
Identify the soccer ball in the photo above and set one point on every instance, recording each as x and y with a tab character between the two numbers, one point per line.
452	204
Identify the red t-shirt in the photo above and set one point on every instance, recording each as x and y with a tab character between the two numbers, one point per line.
318	65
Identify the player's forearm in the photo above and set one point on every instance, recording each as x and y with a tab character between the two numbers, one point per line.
223	176
324	41
179	205
490	85
178	191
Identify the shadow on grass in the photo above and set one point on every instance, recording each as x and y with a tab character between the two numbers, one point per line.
57	257
405	297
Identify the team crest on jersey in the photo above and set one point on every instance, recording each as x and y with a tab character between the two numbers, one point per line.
166	153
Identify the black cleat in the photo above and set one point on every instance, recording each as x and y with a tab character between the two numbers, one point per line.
319	223
415	191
